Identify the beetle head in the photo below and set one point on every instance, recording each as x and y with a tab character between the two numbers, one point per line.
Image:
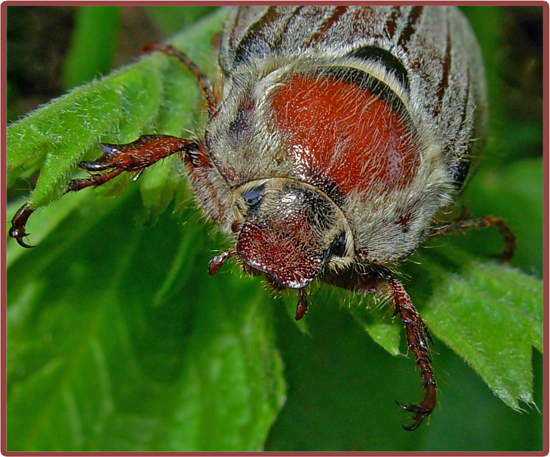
290	231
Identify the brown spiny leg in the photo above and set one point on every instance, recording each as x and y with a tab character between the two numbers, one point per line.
131	157
204	83
466	224
301	308
417	334
376	279
135	156
216	263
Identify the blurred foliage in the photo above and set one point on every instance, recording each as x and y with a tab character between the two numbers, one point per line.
118	340
91	52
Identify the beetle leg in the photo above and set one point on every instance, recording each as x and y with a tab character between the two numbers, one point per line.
462	225
204	83
301	308
216	263
116	158
135	156
138	155
18	223
378	280
417	334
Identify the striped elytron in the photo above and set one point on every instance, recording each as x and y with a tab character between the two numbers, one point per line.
339	134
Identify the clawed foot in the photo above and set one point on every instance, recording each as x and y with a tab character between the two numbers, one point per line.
138	155
18	223
417	334
420	413
116	158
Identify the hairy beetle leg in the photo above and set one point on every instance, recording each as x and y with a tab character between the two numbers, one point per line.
301	308
417	334
116	158
135	156
138	155
466	224
216	263
509	237
381	281
204	82
420	412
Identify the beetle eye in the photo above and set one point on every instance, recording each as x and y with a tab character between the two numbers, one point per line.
253	196
338	247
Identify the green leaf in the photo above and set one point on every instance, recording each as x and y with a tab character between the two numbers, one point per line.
375	319
103	347
108	349
156	91
489	314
